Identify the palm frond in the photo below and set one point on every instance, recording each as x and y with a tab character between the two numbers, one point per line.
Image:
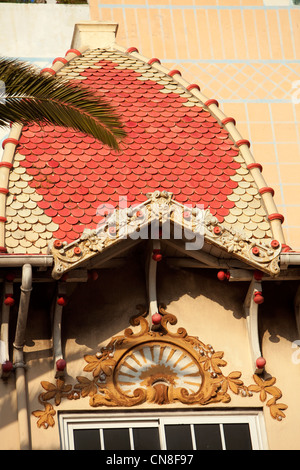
33	98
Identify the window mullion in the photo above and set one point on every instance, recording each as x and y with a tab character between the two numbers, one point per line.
162	435
193	436
222	436
102	445
131	439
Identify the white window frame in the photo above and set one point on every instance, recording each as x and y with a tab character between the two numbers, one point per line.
68	422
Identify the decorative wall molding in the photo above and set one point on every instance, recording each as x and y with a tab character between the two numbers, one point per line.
159	367
197	225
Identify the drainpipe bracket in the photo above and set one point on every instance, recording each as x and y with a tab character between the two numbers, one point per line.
19	347
23	289
20	365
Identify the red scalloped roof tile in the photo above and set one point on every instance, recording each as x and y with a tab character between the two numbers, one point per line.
170	146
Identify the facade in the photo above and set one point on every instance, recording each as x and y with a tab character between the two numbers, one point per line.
150	297
243	52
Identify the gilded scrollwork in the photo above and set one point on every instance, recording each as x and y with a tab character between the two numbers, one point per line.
156	366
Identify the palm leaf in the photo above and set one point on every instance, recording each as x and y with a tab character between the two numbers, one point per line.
29	97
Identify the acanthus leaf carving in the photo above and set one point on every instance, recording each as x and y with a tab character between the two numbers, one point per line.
159	367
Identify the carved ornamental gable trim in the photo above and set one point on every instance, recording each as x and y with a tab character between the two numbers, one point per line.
160	209
157	366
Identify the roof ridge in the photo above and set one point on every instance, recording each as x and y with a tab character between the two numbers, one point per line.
59	62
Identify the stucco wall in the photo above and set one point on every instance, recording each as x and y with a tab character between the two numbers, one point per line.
38	31
205	307
263	108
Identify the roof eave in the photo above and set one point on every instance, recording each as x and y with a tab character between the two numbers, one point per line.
196	227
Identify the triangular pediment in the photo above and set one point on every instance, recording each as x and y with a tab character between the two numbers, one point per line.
161	217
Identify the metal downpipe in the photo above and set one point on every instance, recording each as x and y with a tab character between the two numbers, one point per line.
18	358
289	259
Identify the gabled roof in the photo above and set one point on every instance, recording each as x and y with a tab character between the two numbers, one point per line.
165	221
63	182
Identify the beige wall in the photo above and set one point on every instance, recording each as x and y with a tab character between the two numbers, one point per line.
207	308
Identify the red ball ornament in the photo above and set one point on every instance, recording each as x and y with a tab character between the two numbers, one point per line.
275	244
255	251
285	248
7	366
57	244
258	275
260	362
157	256
93	275
61	364
258	298
156	319
61	301
77	251
9	300
223	275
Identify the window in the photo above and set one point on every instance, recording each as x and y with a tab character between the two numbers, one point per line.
185	431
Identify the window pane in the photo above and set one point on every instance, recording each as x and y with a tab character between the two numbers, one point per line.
208	437
178	437
87	439
116	439
237	436
146	439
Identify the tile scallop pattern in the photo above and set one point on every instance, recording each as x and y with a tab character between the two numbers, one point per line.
178	141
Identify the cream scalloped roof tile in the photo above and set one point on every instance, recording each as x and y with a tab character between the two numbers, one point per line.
25	220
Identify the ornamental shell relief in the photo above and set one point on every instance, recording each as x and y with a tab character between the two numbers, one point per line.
155	365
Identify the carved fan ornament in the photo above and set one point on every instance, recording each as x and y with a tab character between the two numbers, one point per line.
156	366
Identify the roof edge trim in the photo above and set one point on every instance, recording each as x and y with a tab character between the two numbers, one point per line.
9	147
160	209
